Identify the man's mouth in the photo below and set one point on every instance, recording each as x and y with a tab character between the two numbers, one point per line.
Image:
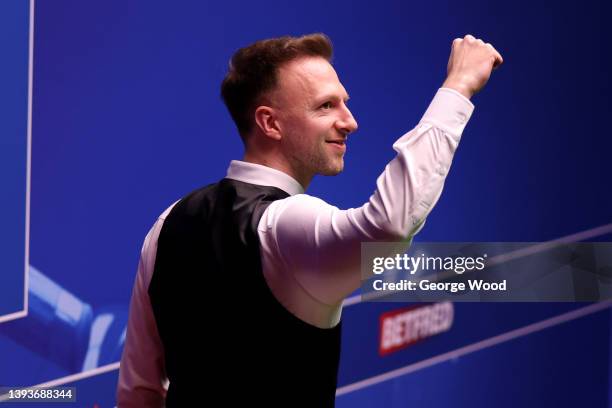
338	144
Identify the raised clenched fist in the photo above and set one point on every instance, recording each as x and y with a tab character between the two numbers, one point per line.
470	64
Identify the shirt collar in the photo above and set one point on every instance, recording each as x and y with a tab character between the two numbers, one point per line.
263	175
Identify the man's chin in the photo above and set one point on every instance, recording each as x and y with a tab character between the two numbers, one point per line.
332	170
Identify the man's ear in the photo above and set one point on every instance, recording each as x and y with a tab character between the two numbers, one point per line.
267	121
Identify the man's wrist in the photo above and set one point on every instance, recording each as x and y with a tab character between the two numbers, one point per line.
458	86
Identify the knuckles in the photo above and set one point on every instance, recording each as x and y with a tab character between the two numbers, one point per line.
485	50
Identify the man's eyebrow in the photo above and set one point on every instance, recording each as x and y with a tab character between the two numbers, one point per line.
327	97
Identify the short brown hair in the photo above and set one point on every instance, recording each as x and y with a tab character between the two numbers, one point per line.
253	71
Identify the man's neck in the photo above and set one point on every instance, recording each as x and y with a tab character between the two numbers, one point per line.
279	165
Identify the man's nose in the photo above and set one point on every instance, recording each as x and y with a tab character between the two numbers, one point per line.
347	123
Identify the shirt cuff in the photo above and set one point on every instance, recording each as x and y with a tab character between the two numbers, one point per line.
450	111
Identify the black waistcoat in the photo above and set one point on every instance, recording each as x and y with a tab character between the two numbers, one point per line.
226	337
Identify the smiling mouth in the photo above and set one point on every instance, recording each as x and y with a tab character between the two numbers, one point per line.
338	145
337	142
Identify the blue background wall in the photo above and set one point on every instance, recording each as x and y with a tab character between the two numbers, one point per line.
127	118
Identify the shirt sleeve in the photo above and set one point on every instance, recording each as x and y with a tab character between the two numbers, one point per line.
142	377
319	245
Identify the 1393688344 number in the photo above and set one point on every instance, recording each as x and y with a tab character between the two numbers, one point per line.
35	394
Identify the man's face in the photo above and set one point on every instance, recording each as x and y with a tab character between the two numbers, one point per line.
313	117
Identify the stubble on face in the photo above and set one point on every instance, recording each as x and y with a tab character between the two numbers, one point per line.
315	156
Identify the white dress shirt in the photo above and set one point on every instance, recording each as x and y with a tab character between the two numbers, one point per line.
310	250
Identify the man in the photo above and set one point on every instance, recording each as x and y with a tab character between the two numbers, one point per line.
240	285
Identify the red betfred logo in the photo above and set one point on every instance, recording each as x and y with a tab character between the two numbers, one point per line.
404	327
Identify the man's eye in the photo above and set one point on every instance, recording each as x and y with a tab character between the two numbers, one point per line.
326	105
